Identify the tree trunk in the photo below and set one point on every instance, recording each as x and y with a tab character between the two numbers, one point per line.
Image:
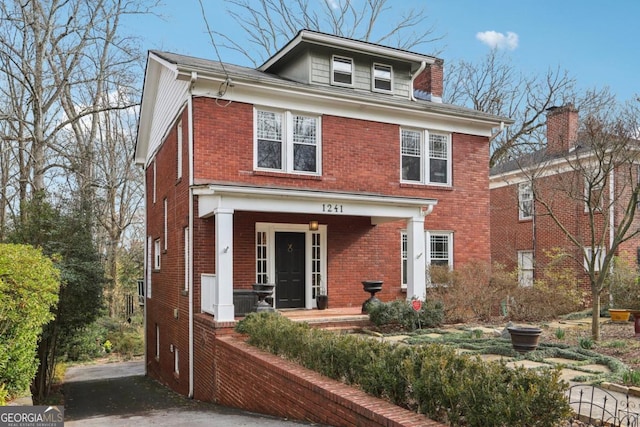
595	317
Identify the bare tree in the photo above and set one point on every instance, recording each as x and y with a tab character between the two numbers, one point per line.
590	195
496	86
269	24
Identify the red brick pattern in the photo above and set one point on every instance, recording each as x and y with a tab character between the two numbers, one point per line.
250	379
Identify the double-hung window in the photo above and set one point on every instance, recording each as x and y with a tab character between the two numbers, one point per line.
287	142
426	157
342	71
439	250
595	255
525	200
525	268
382	78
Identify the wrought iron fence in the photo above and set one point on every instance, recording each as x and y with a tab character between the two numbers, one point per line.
599	407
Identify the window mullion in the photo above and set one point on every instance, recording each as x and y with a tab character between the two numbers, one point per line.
287	141
426	152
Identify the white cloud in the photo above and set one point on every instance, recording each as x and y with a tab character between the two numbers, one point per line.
497	40
333	4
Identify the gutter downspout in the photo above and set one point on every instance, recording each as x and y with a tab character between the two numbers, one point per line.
194	77
423	65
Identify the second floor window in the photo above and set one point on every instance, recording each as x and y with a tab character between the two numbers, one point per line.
425	162
287	142
525	201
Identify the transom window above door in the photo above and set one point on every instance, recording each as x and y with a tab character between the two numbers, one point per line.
287	142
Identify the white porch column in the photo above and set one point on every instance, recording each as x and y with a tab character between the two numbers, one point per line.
223	310
416	259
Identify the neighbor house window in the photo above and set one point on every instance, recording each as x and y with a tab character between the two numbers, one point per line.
176	360
287	142
153	195
382	77
342	71
525	201
525	268
157	249
596	254
426	157
439	250
179	152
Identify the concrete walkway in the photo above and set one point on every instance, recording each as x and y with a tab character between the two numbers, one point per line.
119	395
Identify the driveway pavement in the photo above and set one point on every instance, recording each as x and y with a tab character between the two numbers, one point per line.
119	394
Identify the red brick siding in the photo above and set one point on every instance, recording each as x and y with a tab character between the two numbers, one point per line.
250	379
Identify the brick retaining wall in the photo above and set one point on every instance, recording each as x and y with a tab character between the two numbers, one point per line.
251	379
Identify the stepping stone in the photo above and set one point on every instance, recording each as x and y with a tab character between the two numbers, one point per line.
597	368
494	357
529	364
570	374
395	338
561	361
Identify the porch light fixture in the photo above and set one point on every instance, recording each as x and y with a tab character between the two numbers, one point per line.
313	225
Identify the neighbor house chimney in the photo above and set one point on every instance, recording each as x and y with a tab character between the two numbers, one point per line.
428	84
562	129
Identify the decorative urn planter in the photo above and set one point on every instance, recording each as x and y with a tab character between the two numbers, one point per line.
524	339
263	291
373	287
619	314
322	301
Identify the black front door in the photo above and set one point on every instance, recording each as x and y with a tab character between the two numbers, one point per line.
290	275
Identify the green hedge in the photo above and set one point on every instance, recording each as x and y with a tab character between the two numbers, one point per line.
431	379
400	312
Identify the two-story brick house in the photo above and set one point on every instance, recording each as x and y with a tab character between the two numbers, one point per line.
334	162
565	174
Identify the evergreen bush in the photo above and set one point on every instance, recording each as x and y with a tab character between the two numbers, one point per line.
432	379
401	313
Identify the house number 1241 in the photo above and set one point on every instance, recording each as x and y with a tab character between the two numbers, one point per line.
328	207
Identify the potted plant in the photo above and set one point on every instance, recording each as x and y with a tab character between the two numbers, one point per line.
322	299
524	338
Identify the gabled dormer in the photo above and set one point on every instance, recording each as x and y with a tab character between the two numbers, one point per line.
315	58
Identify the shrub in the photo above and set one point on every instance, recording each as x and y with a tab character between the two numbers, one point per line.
400	312
29	285
433	379
623	285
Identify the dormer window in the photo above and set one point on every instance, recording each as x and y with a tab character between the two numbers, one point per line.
342	71
382	78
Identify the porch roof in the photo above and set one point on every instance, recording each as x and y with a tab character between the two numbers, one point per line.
380	208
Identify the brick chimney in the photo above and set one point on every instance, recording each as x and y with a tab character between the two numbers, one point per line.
428	84
562	129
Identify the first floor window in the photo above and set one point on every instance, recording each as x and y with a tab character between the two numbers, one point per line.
595	255
157	341
157	252
176	360
287	142
525	268
425	157
186	259
439	250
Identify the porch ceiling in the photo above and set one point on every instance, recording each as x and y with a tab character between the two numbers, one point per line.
264	199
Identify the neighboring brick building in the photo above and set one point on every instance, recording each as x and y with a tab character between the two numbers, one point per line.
523	234
334	162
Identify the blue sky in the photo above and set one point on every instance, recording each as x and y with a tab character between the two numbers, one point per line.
595	41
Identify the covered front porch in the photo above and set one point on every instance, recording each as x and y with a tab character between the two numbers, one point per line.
281	236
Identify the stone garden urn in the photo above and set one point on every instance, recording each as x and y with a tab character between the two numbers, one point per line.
373	287
263	291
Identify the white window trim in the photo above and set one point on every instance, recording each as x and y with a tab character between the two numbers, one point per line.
150	256
521	187
179	150
428	234
425	157
157	342
522	278
157	251
287	142
601	252
187	260
374	79
333	71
